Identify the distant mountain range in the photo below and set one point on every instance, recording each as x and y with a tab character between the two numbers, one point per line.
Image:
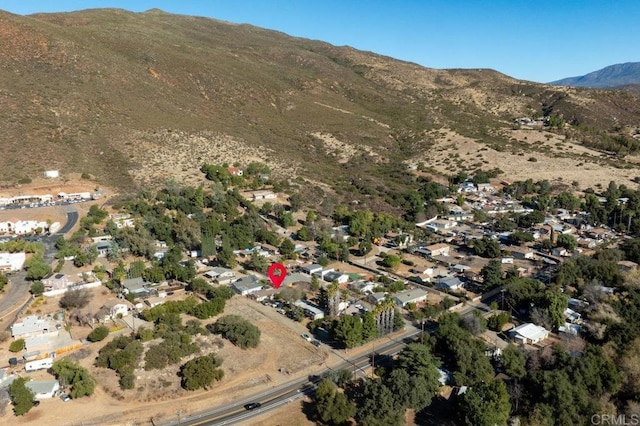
613	76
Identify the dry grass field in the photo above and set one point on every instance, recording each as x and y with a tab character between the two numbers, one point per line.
158	394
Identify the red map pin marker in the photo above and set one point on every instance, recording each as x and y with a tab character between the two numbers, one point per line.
277	279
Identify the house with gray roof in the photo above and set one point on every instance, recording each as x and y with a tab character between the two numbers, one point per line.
449	283
135	286
417	295
247	285
312	269
32	326
43	389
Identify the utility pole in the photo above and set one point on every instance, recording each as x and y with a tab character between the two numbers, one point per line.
373	358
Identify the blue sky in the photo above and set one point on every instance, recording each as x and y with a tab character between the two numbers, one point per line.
539	41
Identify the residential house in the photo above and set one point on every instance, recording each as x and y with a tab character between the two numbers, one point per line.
485	187
11	262
247	285
152	302
440	225
104	248
560	251
312	269
439	249
117	307
449	283
32	326
323	272
529	333
220	275
339	277
460	268
58	282
417	295
264	195
43	389
572	316
296	277
135	286
264	294
377	298
520	252
122	220
310	311
362	286
234	171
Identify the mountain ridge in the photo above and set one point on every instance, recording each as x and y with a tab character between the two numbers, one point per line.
612	76
119	94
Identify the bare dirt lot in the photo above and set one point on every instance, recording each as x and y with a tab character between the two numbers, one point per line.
158	394
534	154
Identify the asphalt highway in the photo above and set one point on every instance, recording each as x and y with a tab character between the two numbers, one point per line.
291	391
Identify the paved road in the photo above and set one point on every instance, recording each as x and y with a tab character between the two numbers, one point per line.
16	294
72	218
293	390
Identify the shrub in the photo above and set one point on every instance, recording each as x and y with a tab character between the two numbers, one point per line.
17	345
201	372
237	330
98	334
37	288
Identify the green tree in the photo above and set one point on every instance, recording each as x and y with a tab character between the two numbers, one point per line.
287	248
369	328
36	288
4	280
497	321
21	396
17	345
237	330
418	360
487	247
485	404
258	263
348	331
201	372
567	241
514	362
98	334
378	405
409	391
37	269
492	274
71	373
392	261
332	407
365	247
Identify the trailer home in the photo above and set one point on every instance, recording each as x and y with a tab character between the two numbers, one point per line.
39	364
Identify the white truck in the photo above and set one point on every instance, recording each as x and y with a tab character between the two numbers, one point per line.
39	364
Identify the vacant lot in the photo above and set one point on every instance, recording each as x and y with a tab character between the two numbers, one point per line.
158	394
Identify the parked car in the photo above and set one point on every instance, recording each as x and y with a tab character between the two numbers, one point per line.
252	406
281	311
36	403
65	397
316	343
306	337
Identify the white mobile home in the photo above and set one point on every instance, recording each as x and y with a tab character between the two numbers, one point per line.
39	364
